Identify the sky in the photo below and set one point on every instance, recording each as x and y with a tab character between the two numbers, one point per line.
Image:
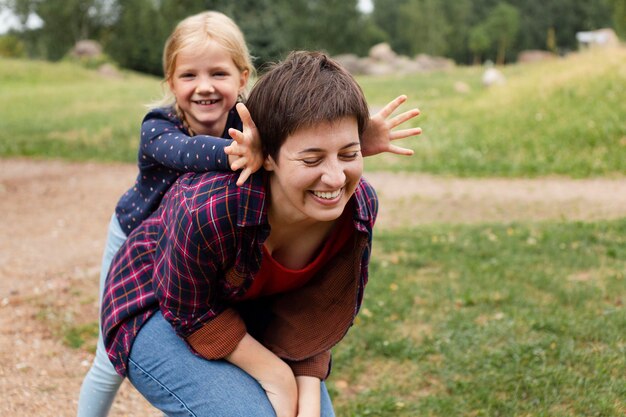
9	21
366	6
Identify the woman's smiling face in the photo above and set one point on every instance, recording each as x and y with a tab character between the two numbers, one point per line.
316	171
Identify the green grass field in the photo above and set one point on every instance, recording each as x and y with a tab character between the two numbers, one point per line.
490	320
483	320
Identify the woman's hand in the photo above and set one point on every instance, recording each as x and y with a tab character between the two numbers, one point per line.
379	134
271	372
308	396
245	151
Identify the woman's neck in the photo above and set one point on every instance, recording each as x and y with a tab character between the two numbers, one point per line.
294	243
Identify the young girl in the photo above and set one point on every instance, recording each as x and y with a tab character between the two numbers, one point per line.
206	65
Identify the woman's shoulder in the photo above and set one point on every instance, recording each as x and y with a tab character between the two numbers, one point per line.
366	190
366	201
211	184
214	204
220	188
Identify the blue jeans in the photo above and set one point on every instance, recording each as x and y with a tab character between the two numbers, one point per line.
102	382
179	383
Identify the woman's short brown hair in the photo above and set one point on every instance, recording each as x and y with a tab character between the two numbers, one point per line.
305	89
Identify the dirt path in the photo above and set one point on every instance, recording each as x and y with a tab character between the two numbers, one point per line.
53	224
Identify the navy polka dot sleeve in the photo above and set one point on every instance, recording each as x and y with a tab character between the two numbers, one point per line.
165	152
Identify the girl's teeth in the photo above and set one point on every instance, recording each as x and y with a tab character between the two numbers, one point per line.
327	195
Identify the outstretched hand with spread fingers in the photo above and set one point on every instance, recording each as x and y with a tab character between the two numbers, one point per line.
245	152
379	133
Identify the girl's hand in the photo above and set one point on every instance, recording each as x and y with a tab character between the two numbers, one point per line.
245	151
378	135
309	400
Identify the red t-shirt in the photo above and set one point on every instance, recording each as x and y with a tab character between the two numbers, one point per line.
274	278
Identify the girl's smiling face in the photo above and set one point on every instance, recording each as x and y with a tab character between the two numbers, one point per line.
316	172
206	83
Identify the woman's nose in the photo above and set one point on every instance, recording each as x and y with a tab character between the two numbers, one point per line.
334	175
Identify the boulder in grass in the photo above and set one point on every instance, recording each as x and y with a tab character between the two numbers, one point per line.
87	49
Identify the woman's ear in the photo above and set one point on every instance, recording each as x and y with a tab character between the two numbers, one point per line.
269	163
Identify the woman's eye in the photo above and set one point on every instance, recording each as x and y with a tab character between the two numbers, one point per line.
350	156
311	161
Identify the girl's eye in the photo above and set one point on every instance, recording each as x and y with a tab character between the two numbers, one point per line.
221	74
186	75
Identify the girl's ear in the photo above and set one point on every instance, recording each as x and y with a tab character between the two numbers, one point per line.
243	80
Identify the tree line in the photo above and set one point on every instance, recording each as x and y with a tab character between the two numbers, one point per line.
133	32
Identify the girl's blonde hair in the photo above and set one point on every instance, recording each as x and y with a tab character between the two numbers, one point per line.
195	32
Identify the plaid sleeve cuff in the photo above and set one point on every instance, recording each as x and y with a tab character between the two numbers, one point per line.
219	337
317	366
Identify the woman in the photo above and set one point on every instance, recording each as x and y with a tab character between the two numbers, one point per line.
227	301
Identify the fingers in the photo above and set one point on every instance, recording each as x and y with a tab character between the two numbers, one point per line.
401	118
405	133
245	174
237	136
241	162
244	114
400	150
392	106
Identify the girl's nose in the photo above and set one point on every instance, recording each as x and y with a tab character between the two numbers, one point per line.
205	86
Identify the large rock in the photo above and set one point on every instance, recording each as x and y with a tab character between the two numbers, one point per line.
382	52
87	49
382	60
351	62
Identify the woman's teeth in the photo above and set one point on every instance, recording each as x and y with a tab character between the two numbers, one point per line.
327	195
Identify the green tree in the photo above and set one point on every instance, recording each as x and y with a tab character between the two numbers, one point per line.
459	15
503	25
387	16
618	14
65	22
138	36
479	42
425	26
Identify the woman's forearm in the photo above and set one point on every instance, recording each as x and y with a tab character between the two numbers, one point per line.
308	396
272	373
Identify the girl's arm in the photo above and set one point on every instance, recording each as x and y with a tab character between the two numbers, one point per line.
164	143
308	396
379	134
271	372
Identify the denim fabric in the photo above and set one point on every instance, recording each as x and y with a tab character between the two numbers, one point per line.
180	383
102	382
